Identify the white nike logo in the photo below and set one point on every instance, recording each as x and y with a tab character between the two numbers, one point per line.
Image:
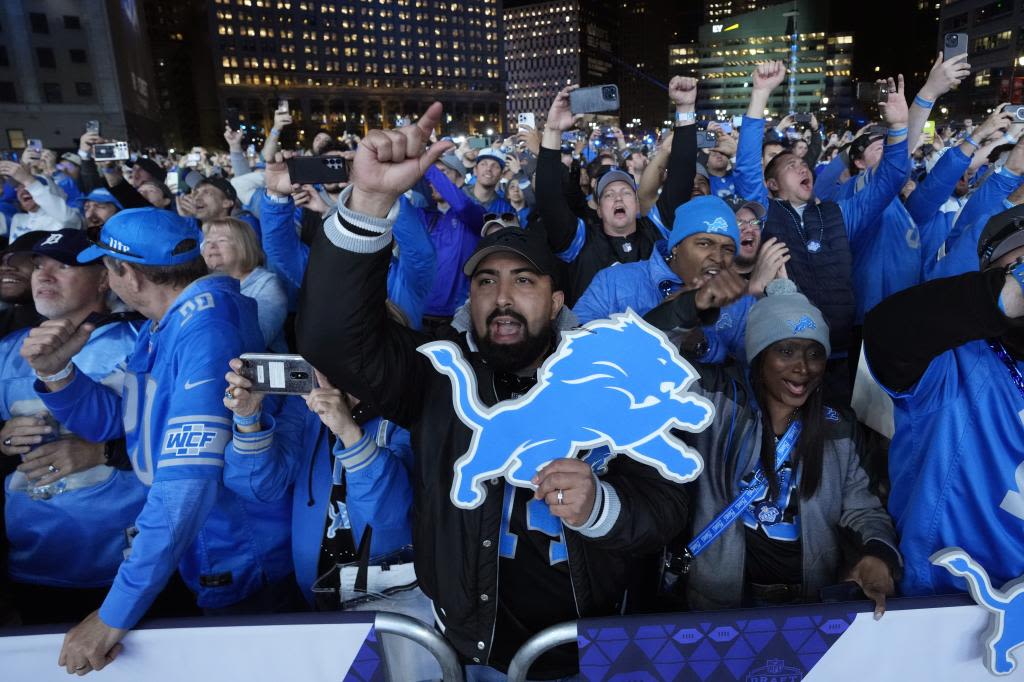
189	386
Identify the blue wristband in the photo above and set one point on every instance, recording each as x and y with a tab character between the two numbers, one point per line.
897	132
970	140
253	418
923	103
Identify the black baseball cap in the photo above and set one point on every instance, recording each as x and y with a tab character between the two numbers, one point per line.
220	183
63	245
858	146
525	243
150	166
1003	233
25	242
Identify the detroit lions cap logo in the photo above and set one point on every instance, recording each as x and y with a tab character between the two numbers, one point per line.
716	225
52	239
1006	606
616	382
803	324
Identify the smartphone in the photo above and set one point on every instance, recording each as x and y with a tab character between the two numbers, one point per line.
953	44
527	119
801	118
872	92
111	151
478	143
706	139
192	159
278	373
232	118
875	131
1018	112
593	100
282	106
316	170
34	144
92	127
172	181
726	127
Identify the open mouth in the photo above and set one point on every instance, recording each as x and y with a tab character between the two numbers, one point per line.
806	183
12	281
505	328
747	242
797	389
711	271
619	211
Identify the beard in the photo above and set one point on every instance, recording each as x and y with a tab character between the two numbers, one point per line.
513	357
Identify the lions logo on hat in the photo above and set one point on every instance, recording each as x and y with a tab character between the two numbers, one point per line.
717	225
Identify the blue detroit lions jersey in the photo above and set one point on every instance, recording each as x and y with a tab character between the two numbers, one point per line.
44	548
956	462
176	428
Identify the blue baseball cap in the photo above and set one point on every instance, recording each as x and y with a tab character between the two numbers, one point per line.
101	195
150	236
704	214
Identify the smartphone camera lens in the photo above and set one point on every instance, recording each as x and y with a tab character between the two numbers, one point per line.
952	40
300	376
608	92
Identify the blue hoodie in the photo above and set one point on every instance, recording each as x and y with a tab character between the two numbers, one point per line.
44	548
176	427
289	458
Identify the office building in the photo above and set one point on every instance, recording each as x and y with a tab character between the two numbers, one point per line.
995	30
797	32
549	45
66	62
717	10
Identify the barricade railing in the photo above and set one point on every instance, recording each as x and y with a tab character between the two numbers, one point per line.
556	635
424	635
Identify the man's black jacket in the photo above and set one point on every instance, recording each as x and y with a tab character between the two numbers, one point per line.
344	331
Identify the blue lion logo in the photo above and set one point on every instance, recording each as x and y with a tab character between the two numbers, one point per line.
1006	629
802	324
614	382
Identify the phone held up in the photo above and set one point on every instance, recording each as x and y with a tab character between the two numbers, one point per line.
953	44
594	100
315	170
278	373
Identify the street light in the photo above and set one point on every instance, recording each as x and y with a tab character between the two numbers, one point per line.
944	111
824	100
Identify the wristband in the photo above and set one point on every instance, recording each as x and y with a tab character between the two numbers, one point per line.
59	376
923	103
970	140
253	418
274	132
685	117
897	132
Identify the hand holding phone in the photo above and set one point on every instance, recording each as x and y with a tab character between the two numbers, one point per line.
594	100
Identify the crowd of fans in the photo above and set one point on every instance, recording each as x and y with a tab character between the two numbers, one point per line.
851	301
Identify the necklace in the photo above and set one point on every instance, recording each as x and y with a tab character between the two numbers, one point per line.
1000	350
814	245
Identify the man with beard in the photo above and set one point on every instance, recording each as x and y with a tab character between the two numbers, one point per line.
15	283
701	252
593	528
490	163
950	353
100	205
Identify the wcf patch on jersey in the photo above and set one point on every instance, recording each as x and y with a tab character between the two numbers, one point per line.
191	440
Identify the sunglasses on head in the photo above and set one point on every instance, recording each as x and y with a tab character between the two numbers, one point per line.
993	242
504	217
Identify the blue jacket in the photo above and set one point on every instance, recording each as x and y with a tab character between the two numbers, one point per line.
290	458
888	259
454	234
176	428
44	548
643	286
409	279
959	253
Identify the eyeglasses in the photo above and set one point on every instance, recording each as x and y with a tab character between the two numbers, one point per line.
753	222
504	217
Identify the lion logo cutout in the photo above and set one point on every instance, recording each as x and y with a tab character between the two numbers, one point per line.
616	382
1006	628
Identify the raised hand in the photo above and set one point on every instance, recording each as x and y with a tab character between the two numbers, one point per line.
243	401
944	76
276	176
49	347
894	109
998	122
15	171
769	75
233	138
720	290
770	265
560	117
683	92
389	162
282	119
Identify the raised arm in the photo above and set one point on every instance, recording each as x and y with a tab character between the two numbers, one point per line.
942	78
682	160
412	276
273	143
342	326
560	223
651	179
749	175
470	213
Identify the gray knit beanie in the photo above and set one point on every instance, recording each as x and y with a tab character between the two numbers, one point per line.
784	313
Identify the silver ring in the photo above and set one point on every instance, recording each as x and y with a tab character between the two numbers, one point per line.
560	497
229	395
82	667
52	469
7	441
